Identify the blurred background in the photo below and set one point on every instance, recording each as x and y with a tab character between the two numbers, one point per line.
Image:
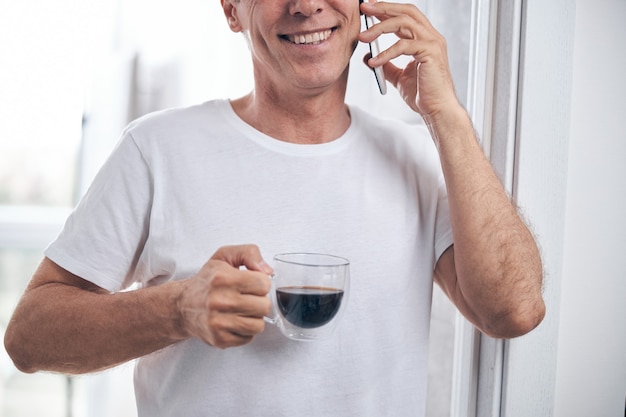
74	73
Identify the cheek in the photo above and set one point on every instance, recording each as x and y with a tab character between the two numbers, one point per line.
354	36
355	27
260	49
354	45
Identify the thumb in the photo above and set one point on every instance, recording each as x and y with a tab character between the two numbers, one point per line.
243	255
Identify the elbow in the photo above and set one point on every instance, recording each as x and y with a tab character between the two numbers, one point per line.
515	322
520	308
17	352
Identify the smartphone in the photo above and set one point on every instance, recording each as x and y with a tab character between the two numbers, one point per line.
374	51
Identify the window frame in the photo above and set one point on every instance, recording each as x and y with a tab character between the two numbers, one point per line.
527	112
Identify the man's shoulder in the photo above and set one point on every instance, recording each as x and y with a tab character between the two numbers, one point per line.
176	118
401	133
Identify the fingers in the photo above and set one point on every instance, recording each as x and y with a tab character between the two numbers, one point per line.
243	255
231	301
392	74
384	11
224	304
425	83
225	278
237	332
416	34
233	319
236	322
225	318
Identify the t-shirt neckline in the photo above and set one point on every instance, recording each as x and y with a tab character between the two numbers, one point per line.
277	145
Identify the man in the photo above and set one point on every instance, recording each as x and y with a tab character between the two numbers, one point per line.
288	167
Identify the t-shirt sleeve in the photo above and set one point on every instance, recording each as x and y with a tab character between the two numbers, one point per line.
443	229
104	236
433	194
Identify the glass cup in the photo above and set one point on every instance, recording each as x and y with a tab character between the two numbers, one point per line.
309	294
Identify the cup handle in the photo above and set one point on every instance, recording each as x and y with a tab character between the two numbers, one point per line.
273	317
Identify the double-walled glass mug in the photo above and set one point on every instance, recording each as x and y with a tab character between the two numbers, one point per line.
309	294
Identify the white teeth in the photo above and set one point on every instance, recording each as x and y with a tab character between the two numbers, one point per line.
310	38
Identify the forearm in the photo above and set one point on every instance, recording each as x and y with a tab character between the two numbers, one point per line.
64	323
78	331
497	262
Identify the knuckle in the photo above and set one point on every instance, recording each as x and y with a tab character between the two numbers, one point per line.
266	284
219	303
218	280
266	307
258	327
441	42
223	253
227	340
250	251
219	253
252	326
221	342
251	248
216	324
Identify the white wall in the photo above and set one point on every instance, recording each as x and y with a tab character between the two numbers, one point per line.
591	366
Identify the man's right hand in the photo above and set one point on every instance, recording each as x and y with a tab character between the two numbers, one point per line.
224	304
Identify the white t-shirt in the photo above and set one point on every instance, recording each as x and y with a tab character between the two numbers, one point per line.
183	182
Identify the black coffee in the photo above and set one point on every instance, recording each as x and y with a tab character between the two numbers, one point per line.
309	307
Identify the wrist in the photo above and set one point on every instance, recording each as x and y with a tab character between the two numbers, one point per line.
174	291
450	125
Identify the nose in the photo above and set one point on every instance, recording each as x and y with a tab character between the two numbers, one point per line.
305	7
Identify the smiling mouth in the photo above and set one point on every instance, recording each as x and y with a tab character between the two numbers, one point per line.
312	38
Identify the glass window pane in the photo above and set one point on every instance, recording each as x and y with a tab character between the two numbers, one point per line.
37	176
22	394
34	395
41	100
16	268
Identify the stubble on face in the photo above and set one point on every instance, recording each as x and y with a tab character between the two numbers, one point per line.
286	41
